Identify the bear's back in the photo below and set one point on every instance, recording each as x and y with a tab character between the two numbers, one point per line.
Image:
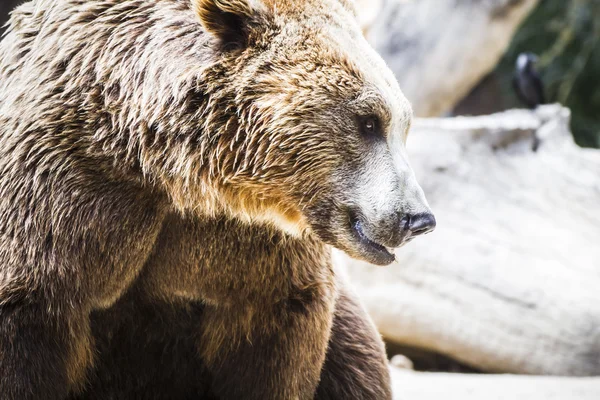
78	61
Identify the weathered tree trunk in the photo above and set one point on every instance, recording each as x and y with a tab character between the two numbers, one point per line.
427	386
510	280
439	50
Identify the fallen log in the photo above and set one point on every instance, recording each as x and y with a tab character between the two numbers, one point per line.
510	279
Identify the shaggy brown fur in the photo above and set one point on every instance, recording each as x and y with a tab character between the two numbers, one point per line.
263	327
172	174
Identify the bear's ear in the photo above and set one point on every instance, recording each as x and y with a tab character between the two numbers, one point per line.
227	20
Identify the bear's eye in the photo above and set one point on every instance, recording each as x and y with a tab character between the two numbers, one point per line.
370	126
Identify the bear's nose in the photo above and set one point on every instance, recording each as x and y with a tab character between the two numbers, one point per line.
421	224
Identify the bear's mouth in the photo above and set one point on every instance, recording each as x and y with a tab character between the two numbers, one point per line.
375	253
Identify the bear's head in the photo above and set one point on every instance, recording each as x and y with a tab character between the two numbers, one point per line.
311	128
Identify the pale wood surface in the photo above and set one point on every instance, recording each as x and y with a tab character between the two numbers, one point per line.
433	386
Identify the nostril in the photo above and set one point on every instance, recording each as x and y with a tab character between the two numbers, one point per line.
421	224
405	222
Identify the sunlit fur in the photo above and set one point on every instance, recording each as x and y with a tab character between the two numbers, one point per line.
119	117
230	132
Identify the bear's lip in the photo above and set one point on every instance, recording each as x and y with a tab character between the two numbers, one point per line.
376	253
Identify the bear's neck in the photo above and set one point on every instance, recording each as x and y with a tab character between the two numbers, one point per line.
222	261
267	253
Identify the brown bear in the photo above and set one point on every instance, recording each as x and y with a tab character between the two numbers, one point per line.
172	176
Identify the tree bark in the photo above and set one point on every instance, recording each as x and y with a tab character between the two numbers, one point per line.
510	279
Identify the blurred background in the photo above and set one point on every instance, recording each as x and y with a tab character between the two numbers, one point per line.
566	36
507	153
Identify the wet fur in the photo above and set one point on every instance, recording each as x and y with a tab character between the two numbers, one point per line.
138	199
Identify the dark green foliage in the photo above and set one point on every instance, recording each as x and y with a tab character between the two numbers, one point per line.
566	36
